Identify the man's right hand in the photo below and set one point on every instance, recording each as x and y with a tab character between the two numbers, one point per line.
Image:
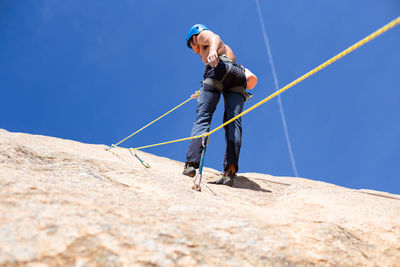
213	59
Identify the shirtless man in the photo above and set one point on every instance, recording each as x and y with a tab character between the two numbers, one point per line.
221	76
209	46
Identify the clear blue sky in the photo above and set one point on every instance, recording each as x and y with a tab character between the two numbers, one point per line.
96	71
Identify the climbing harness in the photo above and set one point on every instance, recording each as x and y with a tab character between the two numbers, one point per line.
203	153
218	84
145	164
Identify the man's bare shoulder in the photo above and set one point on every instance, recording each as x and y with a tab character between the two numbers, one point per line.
205	36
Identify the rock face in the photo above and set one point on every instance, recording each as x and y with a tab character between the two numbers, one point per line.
65	203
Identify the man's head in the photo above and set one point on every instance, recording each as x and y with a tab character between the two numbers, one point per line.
194	44
194	31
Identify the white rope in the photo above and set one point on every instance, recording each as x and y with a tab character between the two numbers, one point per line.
271	61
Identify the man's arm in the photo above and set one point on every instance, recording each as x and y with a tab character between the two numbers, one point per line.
214	43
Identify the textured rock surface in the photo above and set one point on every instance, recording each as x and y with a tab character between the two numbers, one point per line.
64	203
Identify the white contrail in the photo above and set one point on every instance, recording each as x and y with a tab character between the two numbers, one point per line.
271	61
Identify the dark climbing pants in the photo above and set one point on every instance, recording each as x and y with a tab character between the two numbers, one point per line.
207	103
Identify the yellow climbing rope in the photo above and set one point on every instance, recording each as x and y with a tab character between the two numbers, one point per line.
370	37
320	67
196	94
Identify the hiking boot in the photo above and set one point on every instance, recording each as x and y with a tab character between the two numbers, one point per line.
226	179
190	169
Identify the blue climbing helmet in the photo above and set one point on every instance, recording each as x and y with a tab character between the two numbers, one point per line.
194	30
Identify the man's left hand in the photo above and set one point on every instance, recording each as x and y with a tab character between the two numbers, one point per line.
195	95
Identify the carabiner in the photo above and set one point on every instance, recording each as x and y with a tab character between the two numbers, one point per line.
145	164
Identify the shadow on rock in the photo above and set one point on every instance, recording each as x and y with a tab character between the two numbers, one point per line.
239	182
246	183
